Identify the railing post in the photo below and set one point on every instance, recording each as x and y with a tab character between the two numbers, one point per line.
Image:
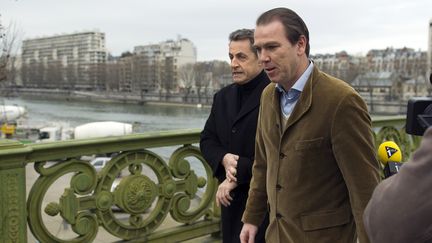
13	215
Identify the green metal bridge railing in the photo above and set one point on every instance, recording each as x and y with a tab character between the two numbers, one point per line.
89	200
151	190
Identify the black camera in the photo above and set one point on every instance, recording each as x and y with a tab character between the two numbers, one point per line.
419	114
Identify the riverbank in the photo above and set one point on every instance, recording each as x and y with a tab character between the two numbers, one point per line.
148	117
178	100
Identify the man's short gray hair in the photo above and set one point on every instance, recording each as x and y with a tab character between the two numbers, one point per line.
243	34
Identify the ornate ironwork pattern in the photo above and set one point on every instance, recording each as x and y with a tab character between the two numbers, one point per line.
190	183
93	200
71	208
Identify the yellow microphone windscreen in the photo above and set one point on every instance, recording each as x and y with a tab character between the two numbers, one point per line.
389	151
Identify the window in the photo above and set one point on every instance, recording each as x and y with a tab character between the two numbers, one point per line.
98	163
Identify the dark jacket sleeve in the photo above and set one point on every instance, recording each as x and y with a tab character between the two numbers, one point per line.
244	170
400	209
211	147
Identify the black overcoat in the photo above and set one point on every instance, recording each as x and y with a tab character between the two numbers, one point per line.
228	130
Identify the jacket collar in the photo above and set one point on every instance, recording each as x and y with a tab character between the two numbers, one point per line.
254	99
303	104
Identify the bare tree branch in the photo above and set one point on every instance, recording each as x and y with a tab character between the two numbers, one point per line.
9	46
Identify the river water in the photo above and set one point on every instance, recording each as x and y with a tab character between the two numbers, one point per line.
149	118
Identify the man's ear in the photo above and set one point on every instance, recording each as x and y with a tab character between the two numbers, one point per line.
301	45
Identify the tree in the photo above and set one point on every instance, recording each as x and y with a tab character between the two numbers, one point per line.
112	76
167	76
71	76
3	53
187	79
202	79
54	74
220	70
8	46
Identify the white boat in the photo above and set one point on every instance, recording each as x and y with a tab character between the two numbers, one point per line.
11	112
102	129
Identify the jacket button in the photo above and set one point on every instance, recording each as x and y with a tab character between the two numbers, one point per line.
278	187
278	216
234	130
281	156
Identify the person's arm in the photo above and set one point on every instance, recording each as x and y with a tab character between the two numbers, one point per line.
248	233
223	193
229	162
244	170
354	150
400	209
210	145
256	205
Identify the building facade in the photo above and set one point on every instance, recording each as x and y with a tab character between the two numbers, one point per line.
406	62
340	64
385	78
68	61
156	66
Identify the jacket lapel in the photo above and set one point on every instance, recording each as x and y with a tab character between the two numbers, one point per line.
305	101
275	106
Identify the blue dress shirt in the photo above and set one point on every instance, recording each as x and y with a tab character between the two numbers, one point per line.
288	99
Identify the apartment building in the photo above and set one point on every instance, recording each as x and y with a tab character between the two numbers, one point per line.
406	62
340	64
156	66
74	61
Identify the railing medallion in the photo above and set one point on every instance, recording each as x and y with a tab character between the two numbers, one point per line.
135	194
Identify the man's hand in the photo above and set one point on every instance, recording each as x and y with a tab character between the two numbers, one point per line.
248	232
229	161
223	193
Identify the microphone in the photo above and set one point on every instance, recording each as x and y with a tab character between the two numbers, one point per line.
390	156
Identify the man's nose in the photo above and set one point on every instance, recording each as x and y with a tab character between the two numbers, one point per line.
263	56
234	63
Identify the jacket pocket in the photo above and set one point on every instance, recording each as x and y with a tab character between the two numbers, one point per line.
325	219
309	144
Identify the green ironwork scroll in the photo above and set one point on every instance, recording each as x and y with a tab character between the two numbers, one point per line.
70	206
91	199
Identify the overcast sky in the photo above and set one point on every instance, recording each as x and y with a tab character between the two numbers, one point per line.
334	25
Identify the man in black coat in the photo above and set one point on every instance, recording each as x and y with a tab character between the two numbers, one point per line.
228	139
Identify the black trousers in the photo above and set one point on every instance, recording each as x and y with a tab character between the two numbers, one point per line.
231	218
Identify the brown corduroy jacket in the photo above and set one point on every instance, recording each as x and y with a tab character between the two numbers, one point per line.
318	174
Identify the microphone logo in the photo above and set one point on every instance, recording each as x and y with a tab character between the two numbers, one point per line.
390	151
